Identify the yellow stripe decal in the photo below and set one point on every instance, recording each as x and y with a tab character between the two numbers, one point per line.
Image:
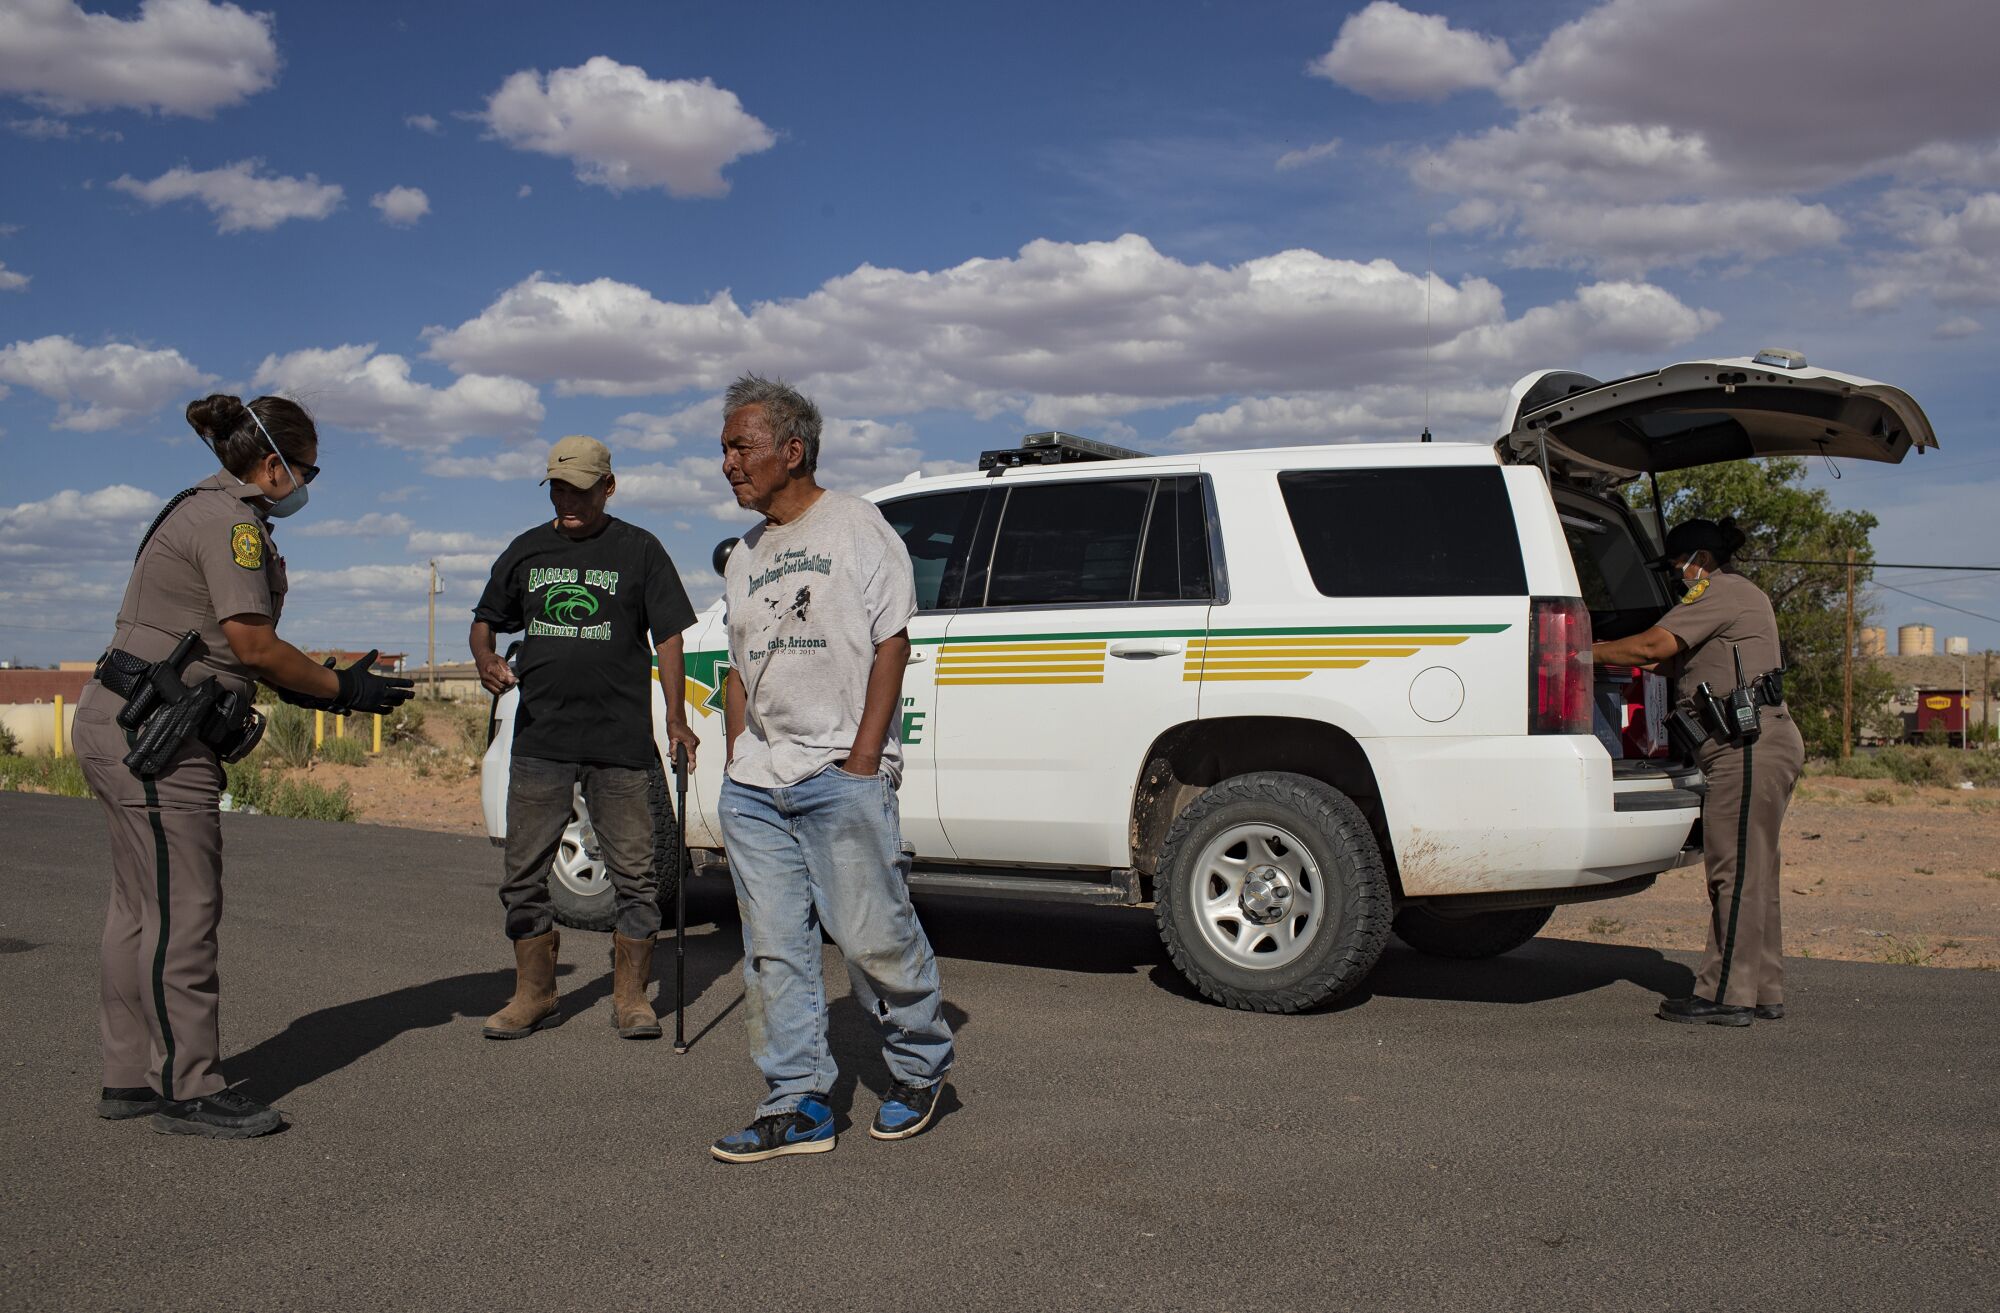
1020	679
1197	677
1341	640
1057	668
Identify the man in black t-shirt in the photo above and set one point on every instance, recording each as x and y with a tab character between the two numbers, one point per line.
588	590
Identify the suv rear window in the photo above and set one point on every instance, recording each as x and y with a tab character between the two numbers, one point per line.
1619	587
934	528
1069	542
1427	532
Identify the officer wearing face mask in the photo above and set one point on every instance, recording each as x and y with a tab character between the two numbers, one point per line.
1722	636
171	701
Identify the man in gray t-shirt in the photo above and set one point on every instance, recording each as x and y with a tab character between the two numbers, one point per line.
810	602
818	596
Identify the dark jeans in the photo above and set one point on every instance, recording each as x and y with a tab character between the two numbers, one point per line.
540	801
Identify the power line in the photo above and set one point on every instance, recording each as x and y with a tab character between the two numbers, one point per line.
1934	602
1870	565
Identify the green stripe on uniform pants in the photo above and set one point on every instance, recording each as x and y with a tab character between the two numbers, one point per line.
163	894
1742	856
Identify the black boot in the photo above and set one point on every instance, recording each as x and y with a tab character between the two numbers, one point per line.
117	1103
1770	1012
223	1115
1695	1011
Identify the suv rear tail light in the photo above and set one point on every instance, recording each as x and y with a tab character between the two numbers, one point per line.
1559	670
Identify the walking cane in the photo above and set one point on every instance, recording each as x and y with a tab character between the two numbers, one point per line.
680	897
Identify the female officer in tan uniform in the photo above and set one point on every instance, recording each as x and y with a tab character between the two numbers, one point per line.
1723	618
207	566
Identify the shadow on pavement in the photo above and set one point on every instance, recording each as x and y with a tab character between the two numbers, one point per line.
857	1048
323	1042
1052	936
1539	972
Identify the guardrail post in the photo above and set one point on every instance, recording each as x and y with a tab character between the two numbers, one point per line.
377	748
319	728
59	726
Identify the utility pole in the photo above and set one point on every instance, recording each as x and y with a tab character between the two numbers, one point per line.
1847	670
1986	696
431	600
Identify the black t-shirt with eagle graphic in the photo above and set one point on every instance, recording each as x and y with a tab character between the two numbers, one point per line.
593	610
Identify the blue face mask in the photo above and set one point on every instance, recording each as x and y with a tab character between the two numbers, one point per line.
294	501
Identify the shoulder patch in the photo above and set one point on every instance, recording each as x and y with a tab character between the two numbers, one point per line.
246	544
1694	594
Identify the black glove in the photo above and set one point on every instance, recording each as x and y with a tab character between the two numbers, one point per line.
361	689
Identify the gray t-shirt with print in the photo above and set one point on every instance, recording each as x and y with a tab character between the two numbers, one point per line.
807	603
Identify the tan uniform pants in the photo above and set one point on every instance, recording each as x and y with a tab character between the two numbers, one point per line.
1748	791
158	991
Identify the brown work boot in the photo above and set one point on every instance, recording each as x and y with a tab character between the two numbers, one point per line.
534	1003
631	972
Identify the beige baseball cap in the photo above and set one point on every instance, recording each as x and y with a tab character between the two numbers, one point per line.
579	461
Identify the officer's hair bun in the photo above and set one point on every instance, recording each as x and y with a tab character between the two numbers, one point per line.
1733	538
217	415
225	424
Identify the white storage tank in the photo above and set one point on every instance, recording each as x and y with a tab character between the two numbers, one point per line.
1958	647
1874	641
1916	640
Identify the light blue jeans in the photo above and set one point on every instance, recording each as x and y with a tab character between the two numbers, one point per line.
829	850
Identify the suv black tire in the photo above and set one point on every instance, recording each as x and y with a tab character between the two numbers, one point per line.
1470	934
1356	903
599	911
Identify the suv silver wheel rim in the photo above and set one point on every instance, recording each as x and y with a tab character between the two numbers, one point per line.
1258	896
579	863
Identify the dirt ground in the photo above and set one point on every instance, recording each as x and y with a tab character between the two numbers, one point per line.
1874	872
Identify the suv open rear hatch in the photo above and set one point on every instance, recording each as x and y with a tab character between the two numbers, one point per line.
1704	412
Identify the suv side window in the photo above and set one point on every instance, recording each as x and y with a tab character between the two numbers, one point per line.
1069	542
936	528
1175	566
1406	532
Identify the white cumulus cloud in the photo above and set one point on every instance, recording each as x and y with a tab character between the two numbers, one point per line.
355	387
375	524
624	130
173	57
99	387
1304	155
401	206
1059	333
1386	52
239	198
1630	239
73	526
423	123
11	281
505	465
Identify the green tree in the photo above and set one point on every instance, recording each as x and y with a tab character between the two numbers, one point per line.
1790	522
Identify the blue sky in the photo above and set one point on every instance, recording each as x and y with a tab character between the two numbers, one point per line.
458	231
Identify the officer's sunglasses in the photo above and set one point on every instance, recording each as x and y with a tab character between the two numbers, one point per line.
301	471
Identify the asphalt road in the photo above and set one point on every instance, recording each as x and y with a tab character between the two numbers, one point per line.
1510	1134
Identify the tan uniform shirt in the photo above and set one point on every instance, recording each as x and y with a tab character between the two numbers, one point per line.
212	559
1721	616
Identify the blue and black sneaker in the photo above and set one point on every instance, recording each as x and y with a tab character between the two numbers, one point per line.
905	1111
808	1129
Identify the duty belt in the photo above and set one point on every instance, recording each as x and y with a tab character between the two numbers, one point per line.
162	712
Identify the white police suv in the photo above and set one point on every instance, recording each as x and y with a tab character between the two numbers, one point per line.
1299	698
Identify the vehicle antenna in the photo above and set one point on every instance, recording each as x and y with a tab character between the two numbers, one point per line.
1426	437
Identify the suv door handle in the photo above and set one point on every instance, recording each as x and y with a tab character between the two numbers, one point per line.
1133	648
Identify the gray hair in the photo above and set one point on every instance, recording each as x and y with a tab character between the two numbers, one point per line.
790	413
